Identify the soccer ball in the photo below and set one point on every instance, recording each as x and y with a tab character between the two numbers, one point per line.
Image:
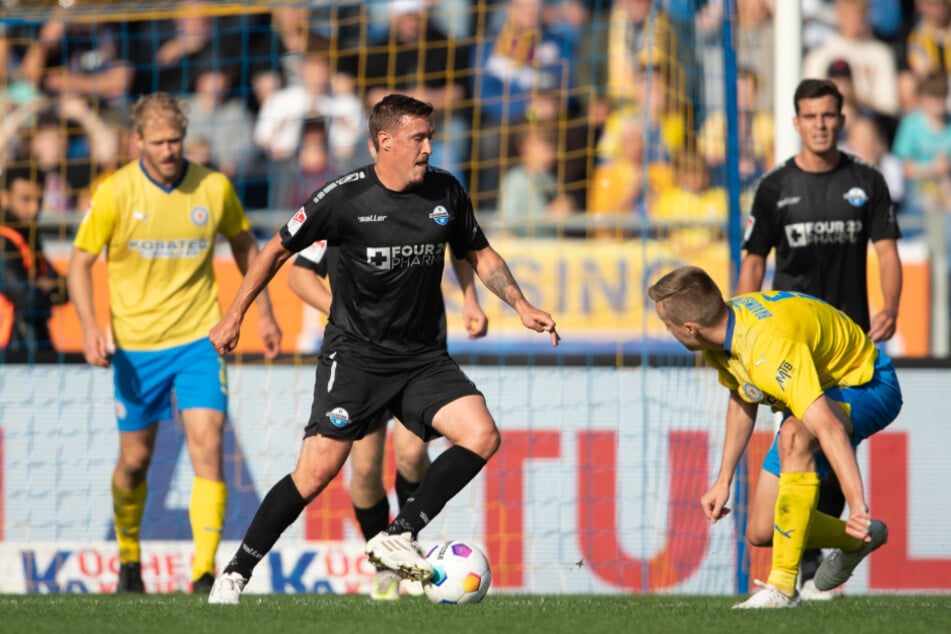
461	573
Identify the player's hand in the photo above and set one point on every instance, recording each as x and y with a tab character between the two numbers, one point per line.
883	326
224	335
858	522
714	501
96	348
476	321
539	321
270	335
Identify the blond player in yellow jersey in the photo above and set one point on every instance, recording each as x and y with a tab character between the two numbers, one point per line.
806	359
158	218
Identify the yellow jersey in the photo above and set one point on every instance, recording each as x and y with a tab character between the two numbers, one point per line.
160	245
786	349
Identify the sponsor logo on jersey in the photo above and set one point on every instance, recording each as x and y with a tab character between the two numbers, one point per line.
440	215
788	200
371	218
405	256
294	224
783	372
752	393
164	249
141	216
803	234
200	216
339	417
856	196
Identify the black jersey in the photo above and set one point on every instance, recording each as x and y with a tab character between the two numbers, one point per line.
391	251
820	225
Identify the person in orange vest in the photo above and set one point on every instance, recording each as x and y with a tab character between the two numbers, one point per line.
31	286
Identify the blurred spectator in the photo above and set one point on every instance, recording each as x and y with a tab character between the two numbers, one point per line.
281	120
520	59
82	58
840	74
170	54
104	141
927	49
64	177
224	121
639	36
529	192
923	143
664	119
698	212
197	149
619	186
866	140
313	161
30	286
14	90
755	132
753	33
417	59
872	62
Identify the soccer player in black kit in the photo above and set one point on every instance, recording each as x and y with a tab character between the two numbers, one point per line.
819	210
385	342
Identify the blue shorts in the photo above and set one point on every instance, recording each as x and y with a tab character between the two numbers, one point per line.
145	380
871	407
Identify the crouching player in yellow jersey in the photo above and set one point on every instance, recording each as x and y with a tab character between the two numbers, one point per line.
807	359
158	218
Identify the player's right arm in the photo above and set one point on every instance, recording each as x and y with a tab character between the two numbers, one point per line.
79	281
740	419
224	335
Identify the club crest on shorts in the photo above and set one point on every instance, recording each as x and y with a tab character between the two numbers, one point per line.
339	417
440	215
753	393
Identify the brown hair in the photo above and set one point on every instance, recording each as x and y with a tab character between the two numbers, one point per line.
816	89
158	105
689	294
389	112
934	84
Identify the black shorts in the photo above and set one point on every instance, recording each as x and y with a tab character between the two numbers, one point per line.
351	399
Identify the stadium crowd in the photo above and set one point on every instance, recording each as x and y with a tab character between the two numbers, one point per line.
606	112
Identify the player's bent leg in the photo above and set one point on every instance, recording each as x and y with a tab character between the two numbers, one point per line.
412	454
320	460
838	566
366	469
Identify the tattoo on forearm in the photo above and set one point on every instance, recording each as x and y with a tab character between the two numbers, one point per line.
500	281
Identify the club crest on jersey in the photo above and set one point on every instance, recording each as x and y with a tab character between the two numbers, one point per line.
750	223
294	224
440	215
752	393
200	216
339	417
856	196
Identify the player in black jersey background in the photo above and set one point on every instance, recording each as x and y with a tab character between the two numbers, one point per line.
819	210
385	342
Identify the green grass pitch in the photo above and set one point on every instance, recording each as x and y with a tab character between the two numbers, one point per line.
263	614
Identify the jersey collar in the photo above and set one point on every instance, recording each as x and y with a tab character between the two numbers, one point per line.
730	324
162	186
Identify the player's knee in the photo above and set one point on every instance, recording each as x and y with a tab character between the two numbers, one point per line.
757	537
365	474
486	441
794	442
135	463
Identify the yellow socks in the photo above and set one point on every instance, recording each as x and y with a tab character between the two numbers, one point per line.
798	496
826	531
127	508
207	515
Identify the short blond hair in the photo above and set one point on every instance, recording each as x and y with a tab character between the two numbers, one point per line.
158	105
689	294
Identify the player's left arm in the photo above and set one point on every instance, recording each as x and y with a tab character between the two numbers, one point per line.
474	318
245	250
495	274
885	321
